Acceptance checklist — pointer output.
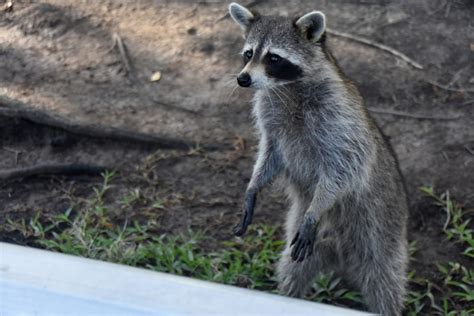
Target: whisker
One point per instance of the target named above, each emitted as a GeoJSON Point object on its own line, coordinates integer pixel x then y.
{"type": "Point", "coordinates": [284, 104]}
{"type": "Point", "coordinates": [269, 97]}
{"type": "Point", "coordinates": [283, 93]}
{"type": "Point", "coordinates": [229, 82]}
{"type": "Point", "coordinates": [230, 75]}
{"type": "Point", "coordinates": [232, 92]}
{"type": "Point", "coordinates": [289, 98]}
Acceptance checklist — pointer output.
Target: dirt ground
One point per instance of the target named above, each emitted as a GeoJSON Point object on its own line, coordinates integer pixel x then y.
{"type": "Point", "coordinates": [59, 56]}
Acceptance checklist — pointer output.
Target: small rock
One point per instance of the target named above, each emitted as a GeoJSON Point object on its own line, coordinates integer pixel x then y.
{"type": "Point", "coordinates": [192, 31]}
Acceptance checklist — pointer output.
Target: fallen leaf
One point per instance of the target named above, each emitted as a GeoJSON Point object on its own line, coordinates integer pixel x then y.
{"type": "Point", "coordinates": [156, 76]}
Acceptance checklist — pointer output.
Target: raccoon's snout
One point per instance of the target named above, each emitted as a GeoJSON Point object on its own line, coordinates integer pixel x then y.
{"type": "Point", "coordinates": [244, 80]}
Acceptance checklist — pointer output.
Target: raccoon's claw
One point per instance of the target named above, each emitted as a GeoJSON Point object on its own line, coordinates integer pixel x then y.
{"type": "Point", "coordinates": [303, 241]}
{"type": "Point", "coordinates": [241, 227]}
{"type": "Point", "coordinates": [246, 219]}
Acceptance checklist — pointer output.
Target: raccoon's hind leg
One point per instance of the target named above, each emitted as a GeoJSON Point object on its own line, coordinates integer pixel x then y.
{"type": "Point", "coordinates": [379, 272]}
{"type": "Point", "coordinates": [383, 288]}
{"type": "Point", "coordinates": [295, 278]}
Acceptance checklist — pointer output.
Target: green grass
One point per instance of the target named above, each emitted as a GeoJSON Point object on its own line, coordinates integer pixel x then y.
{"type": "Point", "coordinates": [93, 228]}
{"type": "Point", "coordinates": [457, 222]}
{"type": "Point", "coordinates": [454, 294]}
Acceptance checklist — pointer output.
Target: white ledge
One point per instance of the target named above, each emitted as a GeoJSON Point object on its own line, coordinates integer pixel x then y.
{"type": "Point", "coordinates": [39, 282]}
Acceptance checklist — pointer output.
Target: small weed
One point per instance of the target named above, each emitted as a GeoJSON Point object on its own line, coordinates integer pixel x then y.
{"type": "Point", "coordinates": [328, 289]}
{"type": "Point", "coordinates": [459, 280]}
{"type": "Point", "coordinates": [456, 289]}
{"type": "Point", "coordinates": [456, 226]}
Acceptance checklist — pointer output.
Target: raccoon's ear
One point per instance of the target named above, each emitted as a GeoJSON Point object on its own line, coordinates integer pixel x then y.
{"type": "Point", "coordinates": [312, 25]}
{"type": "Point", "coordinates": [241, 15]}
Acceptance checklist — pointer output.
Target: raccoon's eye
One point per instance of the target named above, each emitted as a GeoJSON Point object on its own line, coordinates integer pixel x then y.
{"type": "Point", "coordinates": [274, 59]}
{"type": "Point", "coordinates": [248, 55]}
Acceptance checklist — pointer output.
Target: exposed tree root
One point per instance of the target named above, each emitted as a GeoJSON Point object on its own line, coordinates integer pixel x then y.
{"type": "Point", "coordinates": [385, 48]}
{"type": "Point", "coordinates": [449, 88]}
{"type": "Point", "coordinates": [48, 170]}
{"type": "Point", "coordinates": [16, 109]}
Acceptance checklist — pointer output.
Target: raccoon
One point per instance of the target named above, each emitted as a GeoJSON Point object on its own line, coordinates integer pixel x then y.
{"type": "Point", "coordinates": [349, 208]}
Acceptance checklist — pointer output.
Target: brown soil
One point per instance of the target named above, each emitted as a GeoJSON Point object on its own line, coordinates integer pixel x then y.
{"type": "Point", "coordinates": [58, 56]}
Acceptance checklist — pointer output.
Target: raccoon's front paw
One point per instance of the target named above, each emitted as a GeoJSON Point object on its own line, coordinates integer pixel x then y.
{"type": "Point", "coordinates": [246, 219]}
{"type": "Point", "coordinates": [303, 242]}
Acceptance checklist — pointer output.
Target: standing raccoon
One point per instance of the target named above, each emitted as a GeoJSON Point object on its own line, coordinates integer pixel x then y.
{"type": "Point", "coordinates": [348, 204]}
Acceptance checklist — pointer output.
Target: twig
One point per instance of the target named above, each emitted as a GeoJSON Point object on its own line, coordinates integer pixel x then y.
{"type": "Point", "coordinates": [248, 5]}
{"type": "Point", "coordinates": [16, 109]}
{"type": "Point", "coordinates": [60, 169]}
{"type": "Point", "coordinates": [15, 152]}
{"type": "Point", "coordinates": [385, 48]}
{"type": "Point", "coordinates": [414, 116]}
{"type": "Point", "coordinates": [210, 2]}
{"type": "Point", "coordinates": [469, 150]}
{"type": "Point", "coordinates": [456, 76]}
{"type": "Point", "coordinates": [124, 56]}
{"type": "Point", "coordinates": [445, 156]}
{"type": "Point", "coordinates": [448, 88]}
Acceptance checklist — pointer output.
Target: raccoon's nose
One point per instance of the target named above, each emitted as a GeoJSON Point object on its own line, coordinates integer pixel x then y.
{"type": "Point", "coordinates": [244, 80]}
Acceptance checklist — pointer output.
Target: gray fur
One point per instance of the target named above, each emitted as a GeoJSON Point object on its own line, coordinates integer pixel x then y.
{"type": "Point", "coordinates": [312, 25]}
{"type": "Point", "coordinates": [316, 134]}
{"type": "Point", "coordinates": [241, 15]}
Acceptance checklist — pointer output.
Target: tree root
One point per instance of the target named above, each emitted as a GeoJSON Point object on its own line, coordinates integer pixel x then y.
{"type": "Point", "coordinates": [383, 47]}
{"type": "Point", "coordinates": [19, 110]}
{"type": "Point", "coordinates": [43, 170]}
